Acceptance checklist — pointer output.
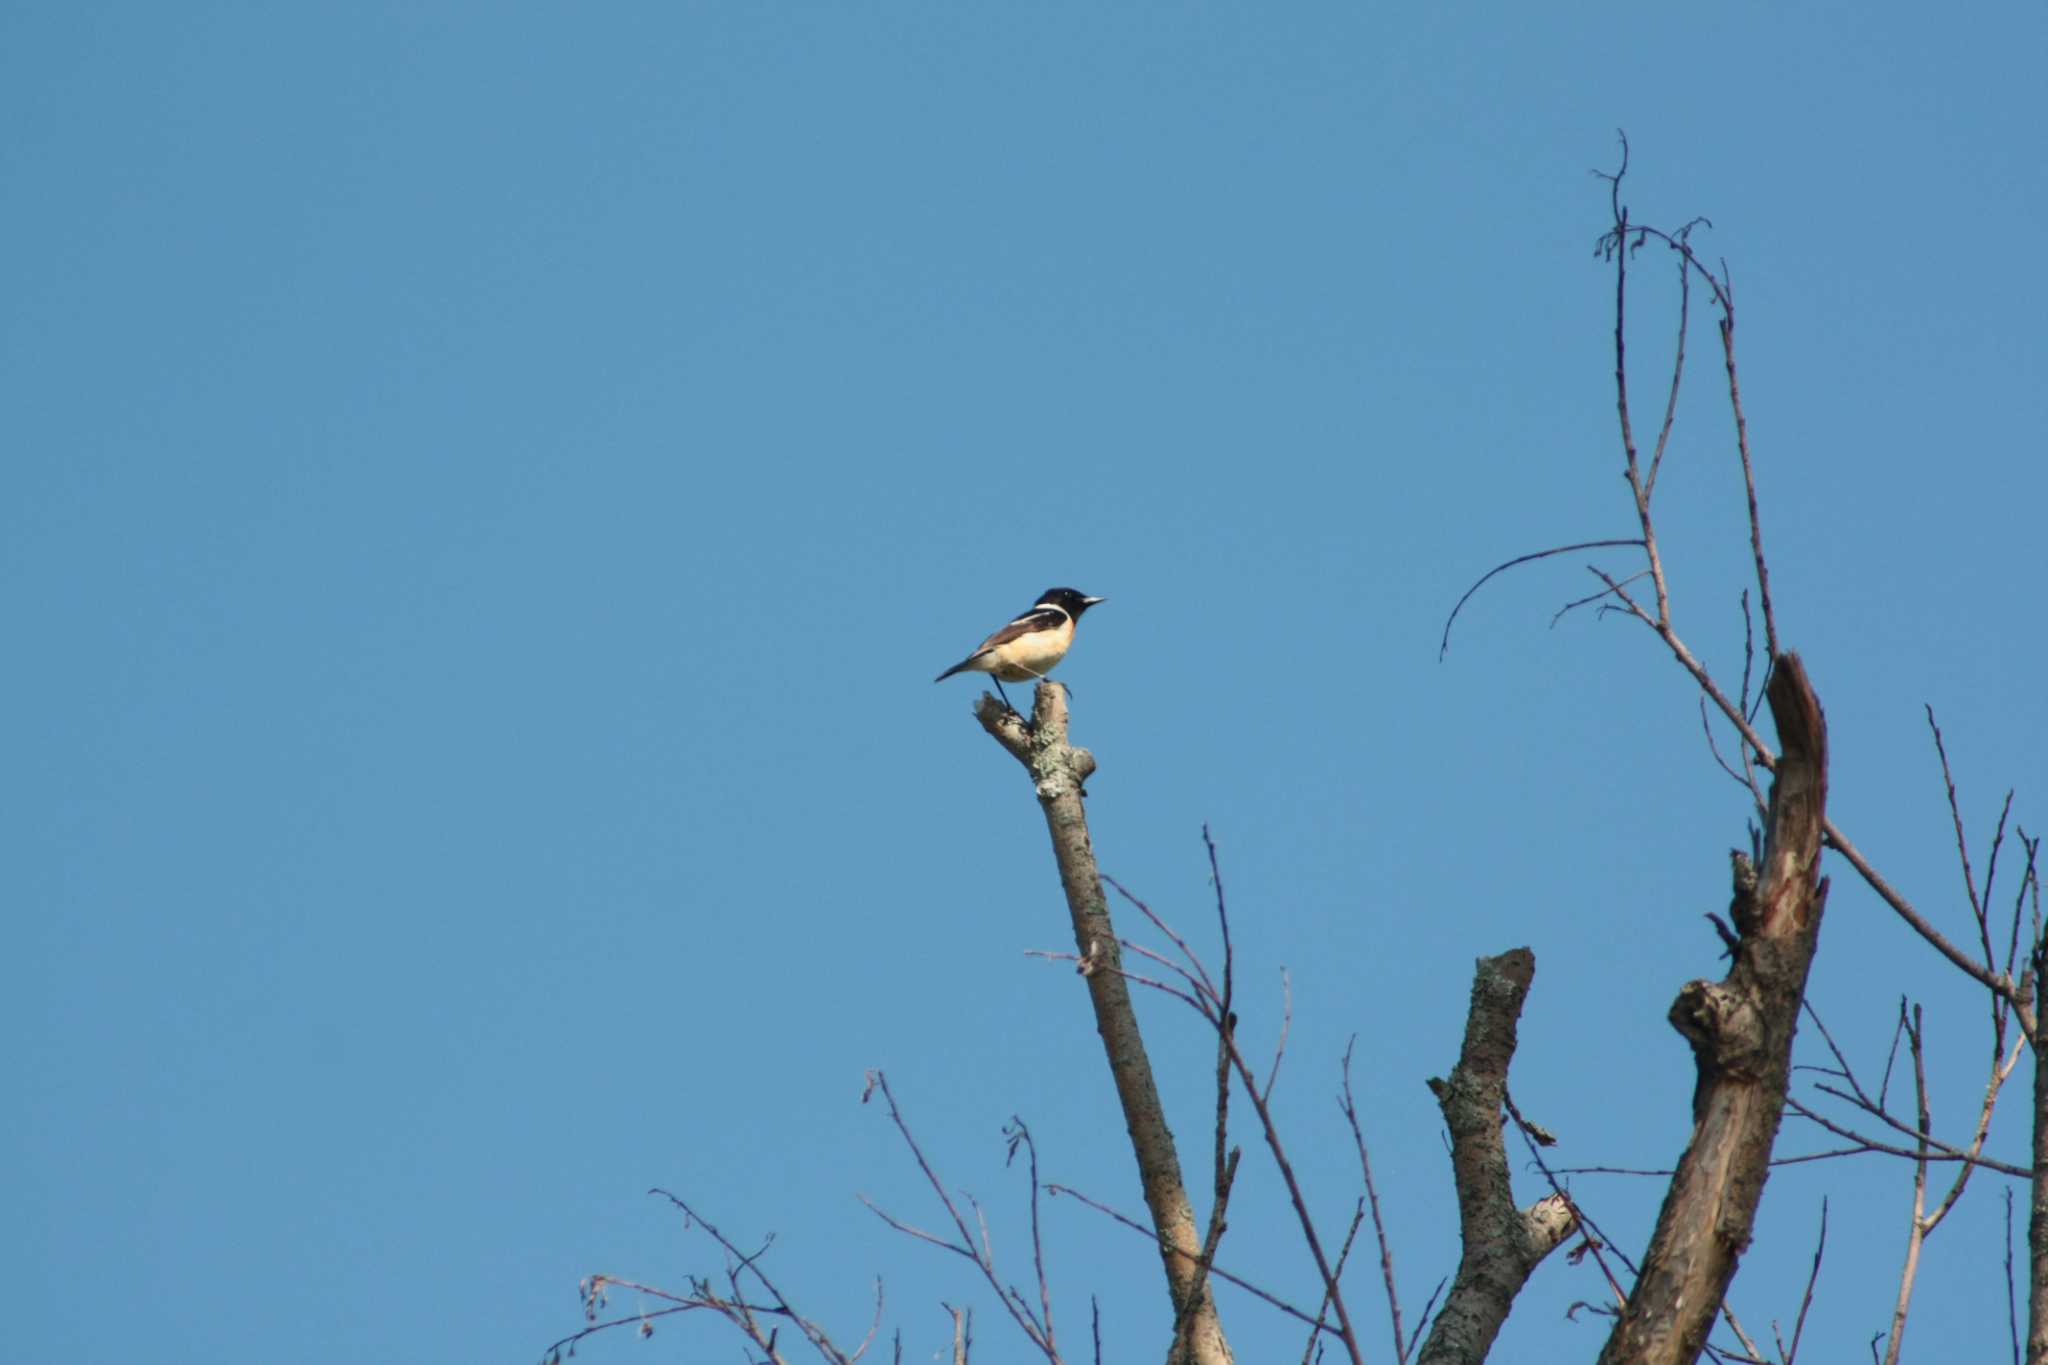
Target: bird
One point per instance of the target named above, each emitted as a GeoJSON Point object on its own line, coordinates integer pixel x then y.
{"type": "Point", "coordinates": [1030, 645]}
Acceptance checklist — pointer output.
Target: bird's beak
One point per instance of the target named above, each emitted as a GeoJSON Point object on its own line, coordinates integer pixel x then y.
{"type": "Point", "coordinates": [1091, 601]}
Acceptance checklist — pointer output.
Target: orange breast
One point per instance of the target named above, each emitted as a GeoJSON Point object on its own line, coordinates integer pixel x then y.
{"type": "Point", "coordinates": [1033, 655]}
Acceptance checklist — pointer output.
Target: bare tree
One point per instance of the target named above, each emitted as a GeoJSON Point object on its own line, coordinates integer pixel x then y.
{"type": "Point", "coordinates": [1742, 1028]}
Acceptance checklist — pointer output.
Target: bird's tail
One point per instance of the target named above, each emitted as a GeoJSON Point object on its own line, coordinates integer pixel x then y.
{"type": "Point", "coordinates": [960, 667]}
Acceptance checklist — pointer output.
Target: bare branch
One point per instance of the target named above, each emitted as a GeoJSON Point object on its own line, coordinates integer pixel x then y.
{"type": "Point", "coordinates": [1502, 1244]}
{"type": "Point", "coordinates": [1308, 1350]}
{"type": "Point", "coordinates": [1226, 1156]}
{"type": "Point", "coordinates": [1747, 777]}
{"type": "Point", "coordinates": [1820, 1246]}
{"type": "Point", "coordinates": [1228, 1277]}
{"type": "Point", "coordinates": [1677, 374]}
{"type": "Point", "coordinates": [963, 1332]}
{"type": "Point", "coordinates": [1903, 908]}
{"type": "Point", "coordinates": [1195, 973]}
{"type": "Point", "coordinates": [2012, 1314]}
{"type": "Point", "coordinates": [1595, 1240]}
{"type": "Point", "coordinates": [1017, 1134]}
{"type": "Point", "coordinates": [1750, 1350]}
{"type": "Point", "coordinates": [1591, 598]}
{"type": "Point", "coordinates": [1445, 646]}
{"type": "Point", "coordinates": [1038, 1330]}
{"type": "Point", "coordinates": [1948, 782]}
{"type": "Point", "coordinates": [1936, 1149]}
{"type": "Point", "coordinates": [1916, 1231]}
{"type": "Point", "coordinates": [1637, 483]}
{"type": "Point", "coordinates": [1372, 1195]}
{"type": "Point", "coordinates": [1209, 1005]}
{"type": "Point", "coordinates": [1749, 709]}
{"type": "Point", "coordinates": [1286, 1027]}
{"type": "Point", "coordinates": [1756, 532]}
{"type": "Point", "coordinates": [1058, 771]}
{"type": "Point", "coordinates": [2029, 877]}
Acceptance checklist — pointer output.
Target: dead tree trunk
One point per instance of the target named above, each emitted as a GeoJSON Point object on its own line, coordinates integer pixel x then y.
{"type": "Point", "coordinates": [1502, 1243]}
{"type": "Point", "coordinates": [1741, 1031]}
{"type": "Point", "coordinates": [1058, 771]}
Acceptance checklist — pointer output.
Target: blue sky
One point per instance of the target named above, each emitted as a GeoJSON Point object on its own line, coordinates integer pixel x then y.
{"type": "Point", "coordinates": [488, 488]}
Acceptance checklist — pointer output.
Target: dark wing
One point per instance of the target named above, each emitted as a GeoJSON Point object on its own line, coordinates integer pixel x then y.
{"type": "Point", "coordinates": [1038, 618]}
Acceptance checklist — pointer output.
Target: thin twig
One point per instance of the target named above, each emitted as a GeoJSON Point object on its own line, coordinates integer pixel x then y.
{"type": "Point", "coordinates": [750, 1263]}
{"type": "Point", "coordinates": [1747, 777]}
{"type": "Point", "coordinates": [1226, 1157]}
{"type": "Point", "coordinates": [1444, 647]}
{"type": "Point", "coordinates": [979, 1251]}
{"type": "Point", "coordinates": [1820, 1247]}
{"type": "Point", "coordinates": [1163, 927]}
{"type": "Point", "coordinates": [1596, 1240]}
{"type": "Point", "coordinates": [1677, 373]}
{"type": "Point", "coordinates": [1916, 1232]}
{"type": "Point", "coordinates": [1428, 1305]}
{"type": "Point", "coordinates": [1749, 1347]}
{"type": "Point", "coordinates": [1207, 1002]}
{"type": "Point", "coordinates": [1286, 1027]}
{"type": "Point", "coordinates": [1210, 1239]}
{"type": "Point", "coordinates": [1846, 1072]}
{"type": "Point", "coordinates": [1343, 1257]}
{"type": "Point", "coordinates": [2028, 875]}
{"type": "Point", "coordinates": [1962, 843]}
{"type": "Point", "coordinates": [1218, 1271]}
{"type": "Point", "coordinates": [1756, 531]}
{"type": "Point", "coordinates": [2001, 1071]}
{"type": "Point", "coordinates": [1903, 908]}
{"type": "Point", "coordinates": [2012, 1307]}
{"type": "Point", "coordinates": [1937, 1150]}
{"type": "Point", "coordinates": [1092, 964]}
{"type": "Point", "coordinates": [1372, 1196]}
{"type": "Point", "coordinates": [1638, 486]}
{"type": "Point", "coordinates": [1591, 598]}
{"type": "Point", "coordinates": [1019, 1133]}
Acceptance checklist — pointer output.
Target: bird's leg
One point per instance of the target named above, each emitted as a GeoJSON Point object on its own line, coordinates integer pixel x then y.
{"type": "Point", "coordinates": [1005, 696]}
{"type": "Point", "coordinates": [1043, 678]}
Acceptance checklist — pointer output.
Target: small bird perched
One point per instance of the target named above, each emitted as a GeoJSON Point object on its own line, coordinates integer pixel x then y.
{"type": "Point", "coordinates": [1029, 646]}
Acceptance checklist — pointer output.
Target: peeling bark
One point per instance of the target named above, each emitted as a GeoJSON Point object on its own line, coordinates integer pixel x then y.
{"type": "Point", "coordinates": [1741, 1030]}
